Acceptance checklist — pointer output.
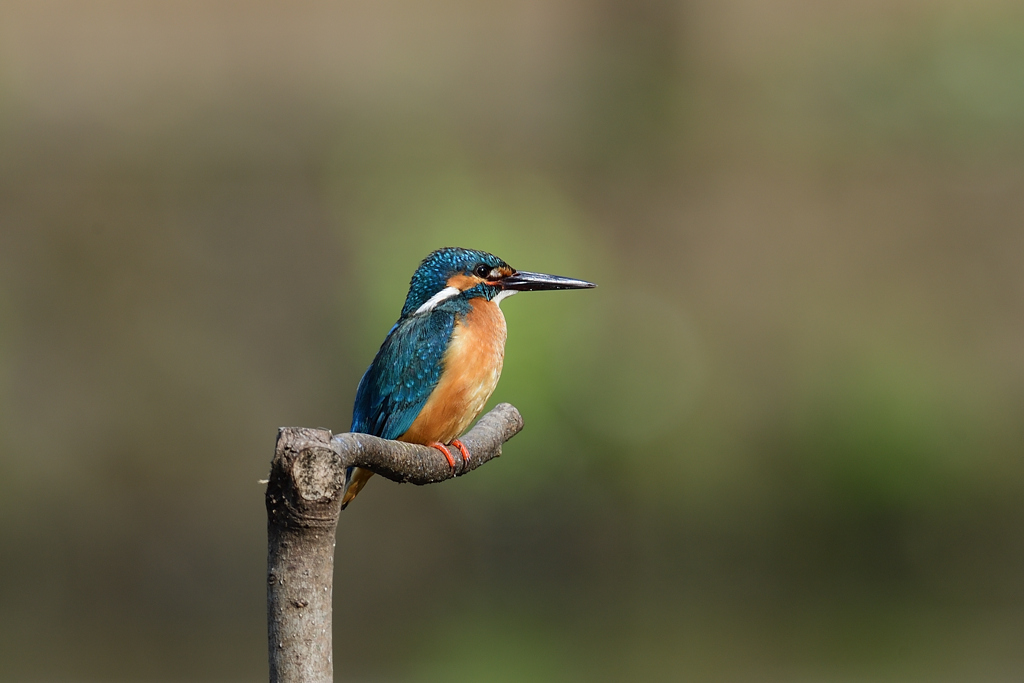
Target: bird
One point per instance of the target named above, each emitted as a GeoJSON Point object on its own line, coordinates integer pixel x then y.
{"type": "Point", "coordinates": [441, 361]}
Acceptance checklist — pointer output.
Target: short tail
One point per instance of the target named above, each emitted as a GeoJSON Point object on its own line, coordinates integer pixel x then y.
{"type": "Point", "coordinates": [355, 480]}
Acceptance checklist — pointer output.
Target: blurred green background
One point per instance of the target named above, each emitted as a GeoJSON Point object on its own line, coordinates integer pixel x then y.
{"type": "Point", "coordinates": [782, 441]}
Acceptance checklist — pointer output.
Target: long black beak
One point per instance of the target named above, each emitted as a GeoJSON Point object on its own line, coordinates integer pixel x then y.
{"type": "Point", "coordinates": [523, 281]}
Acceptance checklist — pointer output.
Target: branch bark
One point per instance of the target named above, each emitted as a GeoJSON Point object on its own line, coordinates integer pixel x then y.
{"type": "Point", "coordinates": [303, 505]}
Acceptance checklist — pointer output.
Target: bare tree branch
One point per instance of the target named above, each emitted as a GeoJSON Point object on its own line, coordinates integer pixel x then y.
{"type": "Point", "coordinates": [303, 505]}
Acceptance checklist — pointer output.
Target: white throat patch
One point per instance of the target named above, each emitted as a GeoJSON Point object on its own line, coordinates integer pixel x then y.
{"type": "Point", "coordinates": [432, 302]}
{"type": "Point", "coordinates": [503, 294]}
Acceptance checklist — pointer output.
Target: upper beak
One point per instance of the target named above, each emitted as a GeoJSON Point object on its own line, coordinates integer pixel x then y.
{"type": "Point", "coordinates": [523, 281]}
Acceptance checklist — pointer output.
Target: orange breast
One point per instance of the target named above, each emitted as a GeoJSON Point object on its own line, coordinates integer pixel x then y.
{"type": "Point", "coordinates": [472, 365]}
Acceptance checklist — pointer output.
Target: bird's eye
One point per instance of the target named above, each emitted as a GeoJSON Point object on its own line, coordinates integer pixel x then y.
{"type": "Point", "coordinates": [482, 270]}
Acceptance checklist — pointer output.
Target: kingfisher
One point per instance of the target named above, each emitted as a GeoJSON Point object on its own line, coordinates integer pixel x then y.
{"type": "Point", "coordinates": [441, 361]}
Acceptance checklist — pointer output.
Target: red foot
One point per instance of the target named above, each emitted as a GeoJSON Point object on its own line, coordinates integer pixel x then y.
{"type": "Point", "coordinates": [444, 449]}
{"type": "Point", "coordinates": [462, 449]}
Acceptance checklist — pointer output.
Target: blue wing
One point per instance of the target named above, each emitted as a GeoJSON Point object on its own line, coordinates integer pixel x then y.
{"type": "Point", "coordinates": [403, 375]}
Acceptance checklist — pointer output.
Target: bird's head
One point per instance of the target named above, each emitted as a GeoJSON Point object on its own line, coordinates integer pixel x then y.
{"type": "Point", "coordinates": [454, 273]}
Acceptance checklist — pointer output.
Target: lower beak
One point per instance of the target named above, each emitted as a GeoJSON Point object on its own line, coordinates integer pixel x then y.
{"type": "Point", "coordinates": [523, 281]}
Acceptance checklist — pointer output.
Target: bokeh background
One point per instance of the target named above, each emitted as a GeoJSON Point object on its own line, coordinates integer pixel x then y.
{"type": "Point", "coordinates": [782, 441]}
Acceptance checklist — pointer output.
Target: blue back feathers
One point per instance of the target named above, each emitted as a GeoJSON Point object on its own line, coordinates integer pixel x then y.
{"type": "Point", "coordinates": [402, 376]}
{"type": "Point", "coordinates": [409, 363]}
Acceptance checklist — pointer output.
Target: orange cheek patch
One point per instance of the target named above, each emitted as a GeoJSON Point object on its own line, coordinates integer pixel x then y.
{"type": "Point", "coordinates": [502, 272]}
{"type": "Point", "coordinates": [463, 282]}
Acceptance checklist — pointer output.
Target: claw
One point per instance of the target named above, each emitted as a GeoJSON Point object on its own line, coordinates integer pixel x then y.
{"type": "Point", "coordinates": [462, 449]}
{"type": "Point", "coordinates": [448, 454]}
